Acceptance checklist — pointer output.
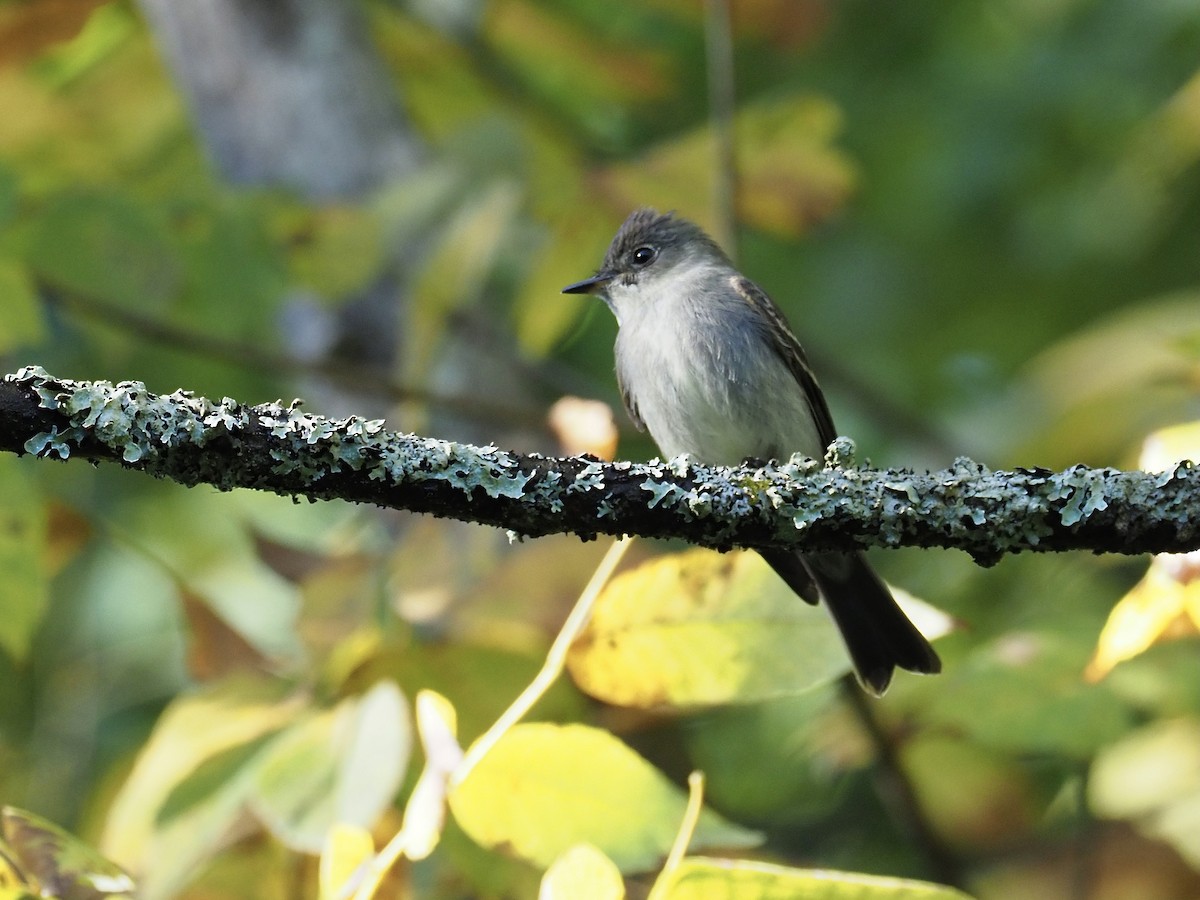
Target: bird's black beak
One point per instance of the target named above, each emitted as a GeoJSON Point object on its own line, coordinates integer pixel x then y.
{"type": "Point", "coordinates": [590, 285]}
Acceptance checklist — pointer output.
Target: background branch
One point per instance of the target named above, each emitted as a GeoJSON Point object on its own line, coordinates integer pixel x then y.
{"type": "Point", "coordinates": [799, 503]}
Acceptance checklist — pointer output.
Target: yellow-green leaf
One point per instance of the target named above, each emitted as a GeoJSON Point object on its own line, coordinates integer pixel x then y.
{"type": "Point", "coordinates": [343, 765]}
{"type": "Point", "coordinates": [546, 788]}
{"type": "Point", "coordinates": [700, 628]}
{"type": "Point", "coordinates": [191, 779]}
{"type": "Point", "coordinates": [698, 878]}
{"type": "Point", "coordinates": [582, 873]}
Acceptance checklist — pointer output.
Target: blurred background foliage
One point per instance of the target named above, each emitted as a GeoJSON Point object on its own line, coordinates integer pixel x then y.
{"type": "Point", "coordinates": [981, 217]}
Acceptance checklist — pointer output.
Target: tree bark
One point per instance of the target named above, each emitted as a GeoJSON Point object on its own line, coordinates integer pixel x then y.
{"type": "Point", "coordinates": [799, 503]}
{"type": "Point", "coordinates": [287, 92]}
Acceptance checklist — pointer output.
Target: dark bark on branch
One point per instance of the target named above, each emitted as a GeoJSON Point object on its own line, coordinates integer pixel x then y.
{"type": "Point", "coordinates": [799, 503]}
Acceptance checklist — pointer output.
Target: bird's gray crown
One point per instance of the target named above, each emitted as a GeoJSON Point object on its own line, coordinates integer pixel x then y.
{"type": "Point", "coordinates": [664, 232]}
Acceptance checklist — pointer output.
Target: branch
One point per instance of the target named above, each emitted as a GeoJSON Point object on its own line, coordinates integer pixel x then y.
{"type": "Point", "coordinates": [799, 503]}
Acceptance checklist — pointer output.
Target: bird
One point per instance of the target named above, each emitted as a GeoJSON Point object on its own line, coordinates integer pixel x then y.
{"type": "Point", "coordinates": [708, 365]}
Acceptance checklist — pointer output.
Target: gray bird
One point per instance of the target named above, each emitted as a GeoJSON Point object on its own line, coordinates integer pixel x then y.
{"type": "Point", "coordinates": [706, 362]}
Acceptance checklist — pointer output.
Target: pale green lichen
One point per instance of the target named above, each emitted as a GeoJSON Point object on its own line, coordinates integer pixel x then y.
{"type": "Point", "coordinates": [987, 513]}
{"type": "Point", "coordinates": [1083, 489]}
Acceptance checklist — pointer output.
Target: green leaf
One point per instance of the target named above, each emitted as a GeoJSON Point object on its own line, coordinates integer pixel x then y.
{"type": "Point", "coordinates": [216, 557]}
{"type": "Point", "coordinates": [22, 314]}
{"type": "Point", "coordinates": [701, 628]}
{"type": "Point", "coordinates": [338, 251]}
{"type": "Point", "coordinates": [342, 766]}
{"type": "Point", "coordinates": [62, 865]}
{"type": "Point", "coordinates": [191, 779]}
{"type": "Point", "coordinates": [108, 247]}
{"type": "Point", "coordinates": [1035, 699]}
{"type": "Point", "coordinates": [703, 879]}
{"type": "Point", "coordinates": [543, 314]}
{"type": "Point", "coordinates": [788, 763]}
{"type": "Point", "coordinates": [458, 267]}
{"type": "Point", "coordinates": [545, 788]}
{"type": "Point", "coordinates": [23, 588]}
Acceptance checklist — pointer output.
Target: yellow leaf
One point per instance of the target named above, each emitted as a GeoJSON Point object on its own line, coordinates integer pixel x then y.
{"type": "Point", "coordinates": [347, 849]}
{"type": "Point", "coordinates": [1168, 446]}
{"type": "Point", "coordinates": [700, 879]}
{"type": "Point", "coordinates": [543, 789]}
{"type": "Point", "coordinates": [701, 628]}
{"type": "Point", "coordinates": [1142, 617]}
{"type": "Point", "coordinates": [191, 778]}
{"type": "Point", "coordinates": [1171, 587]}
{"type": "Point", "coordinates": [582, 873]}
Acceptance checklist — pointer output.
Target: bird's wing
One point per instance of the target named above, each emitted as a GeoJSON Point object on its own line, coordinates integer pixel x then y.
{"type": "Point", "coordinates": [792, 354]}
{"type": "Point", "coordinates": [630, 403]}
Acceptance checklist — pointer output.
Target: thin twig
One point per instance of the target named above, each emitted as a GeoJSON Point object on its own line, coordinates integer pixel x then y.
{"type": "Point", "coordinates": [556, 660]}
{"type": "Point", "coordinates": [722, 106]}
{"type": "Point", "coordinates": [256, 358]}
{"type": "Point", "coordinates": [900, 796]}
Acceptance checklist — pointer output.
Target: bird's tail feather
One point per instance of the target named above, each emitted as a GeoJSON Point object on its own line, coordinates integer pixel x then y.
{"type": "Point", "coordinates": [877, 633]}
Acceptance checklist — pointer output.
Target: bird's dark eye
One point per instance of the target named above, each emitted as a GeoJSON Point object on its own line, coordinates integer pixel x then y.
{"type": "Point", "coordinates": [643, 256]}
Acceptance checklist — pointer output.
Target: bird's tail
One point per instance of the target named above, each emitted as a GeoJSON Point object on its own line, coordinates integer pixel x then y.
{"type": "Point", "coordinates": [877, 633]}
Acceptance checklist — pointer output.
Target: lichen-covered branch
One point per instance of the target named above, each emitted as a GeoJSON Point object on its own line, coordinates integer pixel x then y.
{"type": "Point", "coordinates": [800, 502]}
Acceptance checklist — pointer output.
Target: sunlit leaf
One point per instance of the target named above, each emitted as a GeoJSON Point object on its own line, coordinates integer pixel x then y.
{"type": "Point", "coordinates": [24, 591]}
{"type": "Point", "coordinates": [702, 878]}
{"type": "Point", "coordinates": [700, 628]}
{"type": "Point", "coordinates": [1159, 606]}
{"type": "Point", "coordinates": [425, 814]}
{"type": "Point", "coordinates": [344, 765]}
{"type": "Point", "coordinates": [1170, 590]}
{"type": "Point", "coordinates": [1153, 778]}
{"type": "Point", "coordinates": [545, 788]}
{"type": "Point", "coordinates": [191, 779]}
{"type": "Point", "coordinates": [348, 848]}
{"type": "Point", "coordinates": [582, 873]}
{"type": "Point", "coordinates": [61, 864]}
